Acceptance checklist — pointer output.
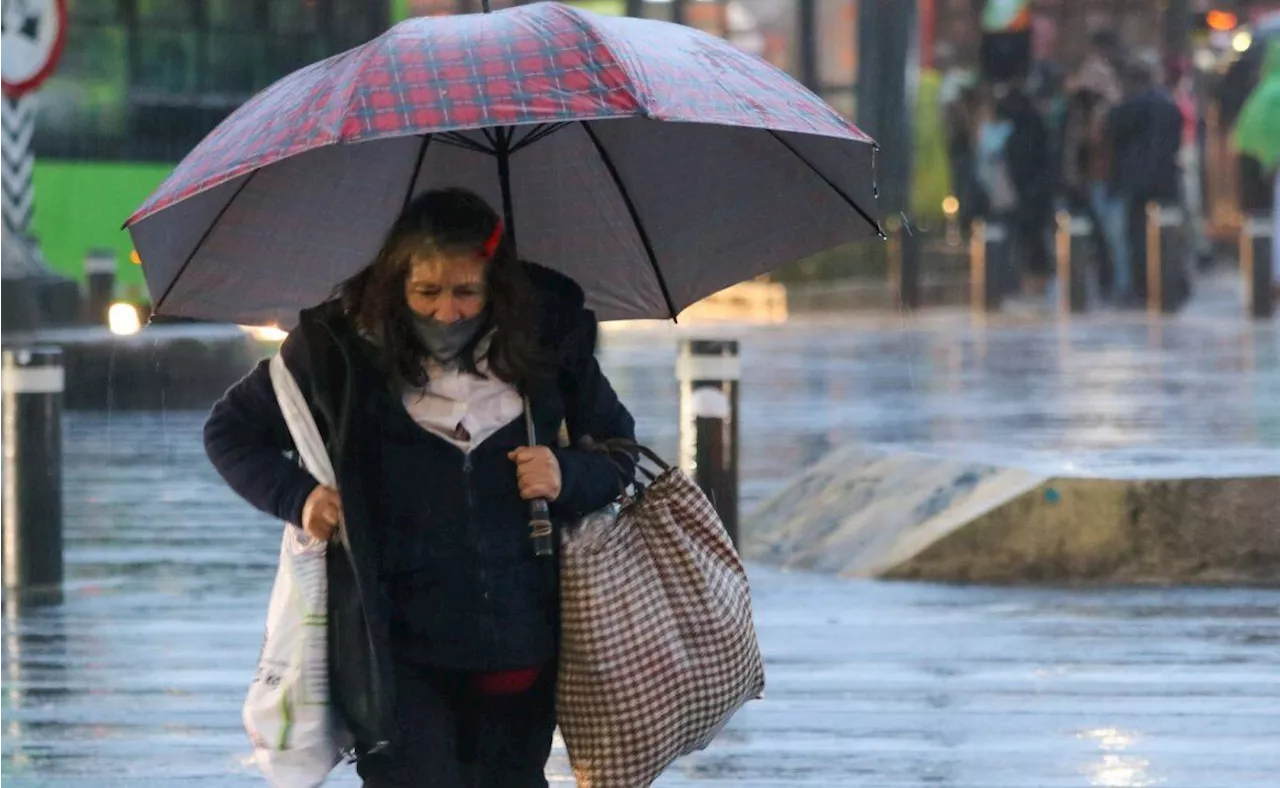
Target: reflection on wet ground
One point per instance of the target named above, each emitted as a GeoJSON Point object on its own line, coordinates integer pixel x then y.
{"type": "Point", "coordinates": [138, 676]}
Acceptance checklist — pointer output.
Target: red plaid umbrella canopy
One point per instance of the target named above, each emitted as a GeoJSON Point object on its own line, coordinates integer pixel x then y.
{"type": "Point", "coordinates": [651, 162]}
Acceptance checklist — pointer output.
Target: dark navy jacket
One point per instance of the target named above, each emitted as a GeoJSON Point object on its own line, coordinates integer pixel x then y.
{"type": "Point", "coordinates": [440, 570]}
{"type": "Point", "coordinates": [1146, 135]}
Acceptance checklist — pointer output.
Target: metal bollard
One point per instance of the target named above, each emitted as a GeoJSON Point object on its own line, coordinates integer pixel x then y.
{"type": "Point", "coordinates": [708, 372]}
{"type": "Point", "coordinates": [988, 253]}
{"type": "Point", "coordinates": [1164, 245]}
{"type": "Point", "coordinates": [100, 279]}
{"type": "Point", "coordinates": [1072, 241]}
{"type": "Point", "coordinates": [33, 382]}
{"type": "Point", "coordinates": [904, 264]}
{"type": "Point", "coordinates": [20, 304]}
{"type": "Point", "coordinates": [1255, 265]}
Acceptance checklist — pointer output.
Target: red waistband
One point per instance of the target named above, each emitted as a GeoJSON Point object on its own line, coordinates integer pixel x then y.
{"type": "Point", "coordinates": [506, 682]}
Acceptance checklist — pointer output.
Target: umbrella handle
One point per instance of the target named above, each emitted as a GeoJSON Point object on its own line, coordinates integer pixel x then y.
{"type": "Point", "coordinates": [540, 528]}
{"type": "Point", "coordinates": [539, 510]}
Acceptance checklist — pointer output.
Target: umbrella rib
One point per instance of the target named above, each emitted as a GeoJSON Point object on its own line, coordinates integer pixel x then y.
{"type": "Point", "coordinates": [844, 196]}
{"type": "Point", "coordinates": [458, 141]}
{"type": "Point", "coordinates": [538, 134]}
{"type": "Point", "coordinates": [528, 135]}
{"type": "Point", "coordinates": [204, 237]}
{"type": "Point", "coordinates": [417, 168]}
{"type": "Point", "coordinates": [635, 216]}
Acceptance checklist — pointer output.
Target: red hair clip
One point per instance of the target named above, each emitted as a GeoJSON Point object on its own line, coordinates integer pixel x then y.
{"type": "Point", "coordinates": [491, 245]}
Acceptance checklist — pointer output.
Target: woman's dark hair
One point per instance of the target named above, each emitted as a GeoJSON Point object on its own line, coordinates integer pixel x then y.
{"type": "Point", "coordinates": [1105, 41]}
{"type": "Point", "coordinates": [448, 221]}
{"type": "Point", "coordinates": [1138, 76]}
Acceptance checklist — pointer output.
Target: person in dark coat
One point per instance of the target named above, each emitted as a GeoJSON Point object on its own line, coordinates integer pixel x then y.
{"type": "Point", "coordinates": [1029, 159]}
{"type": "Point", "coordinates": [1094, 90]}
{"type": "Point", "coordinates": [1146, 135]}
{"type": "Point", "coordinates": [443, 624]}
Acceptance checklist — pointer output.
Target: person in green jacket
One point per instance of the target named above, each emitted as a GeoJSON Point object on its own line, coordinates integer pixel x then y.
{"type": "Point", "coordinates": [1257, 133]}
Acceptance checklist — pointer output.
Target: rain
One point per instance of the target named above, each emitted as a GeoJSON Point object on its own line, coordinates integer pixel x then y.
{"type": "Point", "coordinates": [961, 313]}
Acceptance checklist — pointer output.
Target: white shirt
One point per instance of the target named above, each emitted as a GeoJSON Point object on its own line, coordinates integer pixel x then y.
{"type": "Point", "coordinates": [453, 398]}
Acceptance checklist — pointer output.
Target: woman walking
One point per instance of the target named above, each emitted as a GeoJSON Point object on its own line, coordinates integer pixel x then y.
{"type": "Point", "coordinates": [443, 623]}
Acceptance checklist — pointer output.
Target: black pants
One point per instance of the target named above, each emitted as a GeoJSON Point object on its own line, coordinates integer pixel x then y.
{"type": "Point", "coordinates": [1136, 227]}
{"type": "Point", "coordinates": [451, 736]}
{"type": "Point", "coordinates": [1079, 204]}
{"type": "Point", "coordinates": [1031, 224]}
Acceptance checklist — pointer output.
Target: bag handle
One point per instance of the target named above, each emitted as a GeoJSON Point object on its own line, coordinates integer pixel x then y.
{"type": "Point", "coordinates": [629, 446]}
{"type": "Point", "coordinates": [303, 430]}
{"type": "Point", "coordinates": [607, 449]}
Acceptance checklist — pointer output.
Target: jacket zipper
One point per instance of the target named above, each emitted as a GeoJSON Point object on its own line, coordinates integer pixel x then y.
{"type": "Point", "coordinates": [477, 542]}
{"type": "Point", "coordinates": [472, 528]}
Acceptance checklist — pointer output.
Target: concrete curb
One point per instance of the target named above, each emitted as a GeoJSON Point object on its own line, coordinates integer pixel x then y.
{"type": "Point", "coordinates": [868, 513]}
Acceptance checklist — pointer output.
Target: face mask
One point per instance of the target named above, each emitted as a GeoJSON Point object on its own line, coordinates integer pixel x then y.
{"type": "Point", "coordinates": [446, 341]}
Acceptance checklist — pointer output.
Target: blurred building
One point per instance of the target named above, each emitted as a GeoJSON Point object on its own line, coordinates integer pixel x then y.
{"type": "Point", "coordinates": [145, 80]}
{"type": "Point", "coordinates": [142, 81]}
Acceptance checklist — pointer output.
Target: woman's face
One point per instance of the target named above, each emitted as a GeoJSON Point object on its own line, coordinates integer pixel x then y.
{"type": "Point", "coordinates": [446, 287]}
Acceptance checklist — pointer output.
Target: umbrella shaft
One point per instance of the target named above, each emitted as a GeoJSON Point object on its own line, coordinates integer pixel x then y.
{"type": "Point", "coordinates": [503, 149]}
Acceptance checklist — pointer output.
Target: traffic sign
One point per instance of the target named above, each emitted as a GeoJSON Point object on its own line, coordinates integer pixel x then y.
{"type": "Point", "coordinates": [33, 34]}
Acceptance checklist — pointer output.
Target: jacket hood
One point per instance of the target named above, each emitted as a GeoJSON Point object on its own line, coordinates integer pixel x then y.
{"type": "Point", "coordinates": [552, 285]}
{"type": "Point", "coordinates": [566, 326]}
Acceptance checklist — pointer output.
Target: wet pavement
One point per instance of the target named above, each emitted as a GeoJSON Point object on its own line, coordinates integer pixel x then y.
{"type": "Point", "coordinates": [1114, 395]}
{"type": "Point", "coordinates": [137, 678]}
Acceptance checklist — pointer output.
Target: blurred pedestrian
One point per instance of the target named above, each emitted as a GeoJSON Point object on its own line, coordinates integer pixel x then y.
{"type": "Point", "coordinates": [1257, 134]}
{"type": "Point", "coordinates": [1146, 135]}
{"type": "Point", "coordinates": [957, 99]}
{"type": "Point", "coordinates": [1094, 90]}
{"type": "Point", "coordinates": [1181, 87]}
{"type": "Point", "coordinates": [1233, 90]}
{"type": "Point", "coordinates": [418, 372]}
{"type": "Point", "coordinates": [1028, 157]}
{"type": "Point", "coordinates": [997, 196]}
{"type": "Point", "coordinates": [1047, 88]}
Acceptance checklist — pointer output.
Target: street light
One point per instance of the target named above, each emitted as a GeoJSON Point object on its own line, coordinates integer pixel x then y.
{"type": "Point", "coordinates": [123, 320]}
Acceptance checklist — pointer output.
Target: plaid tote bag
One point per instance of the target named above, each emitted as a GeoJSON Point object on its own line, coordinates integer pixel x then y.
{"type": "Point", "coordinates": [658, 649]}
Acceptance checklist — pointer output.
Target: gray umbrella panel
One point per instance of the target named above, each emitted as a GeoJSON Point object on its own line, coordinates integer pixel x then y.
{"type": "Point", "coordinates": [627, 207]}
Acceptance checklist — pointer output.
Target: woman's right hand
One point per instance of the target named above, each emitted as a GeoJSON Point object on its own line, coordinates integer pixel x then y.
{"type": "Point", "coordinates": [322, 513]}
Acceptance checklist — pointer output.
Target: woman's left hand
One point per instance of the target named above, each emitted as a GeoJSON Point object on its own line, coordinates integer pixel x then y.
{"type": "Point", "coordinates": [538, 472]}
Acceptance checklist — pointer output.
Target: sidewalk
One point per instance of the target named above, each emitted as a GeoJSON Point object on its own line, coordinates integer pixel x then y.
{"type": "Point", "coordinates": [138, 681]}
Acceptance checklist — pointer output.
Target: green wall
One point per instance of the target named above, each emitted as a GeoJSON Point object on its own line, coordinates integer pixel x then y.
{"type": "Point", "coordinates": [80, 205]}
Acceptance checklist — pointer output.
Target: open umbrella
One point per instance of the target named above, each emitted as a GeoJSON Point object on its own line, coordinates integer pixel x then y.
{"type": "Point", "coordinates": [651, 162]}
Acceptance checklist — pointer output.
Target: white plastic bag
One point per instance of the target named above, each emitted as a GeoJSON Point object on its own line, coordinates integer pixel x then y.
{"type": "Point", "coordinates": [296, 739]}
